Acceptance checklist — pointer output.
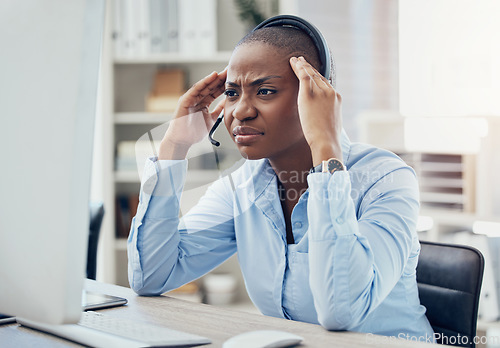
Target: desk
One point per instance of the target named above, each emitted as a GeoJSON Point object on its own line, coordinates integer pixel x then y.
{"type": "Point", "coordinates": [218, 324]}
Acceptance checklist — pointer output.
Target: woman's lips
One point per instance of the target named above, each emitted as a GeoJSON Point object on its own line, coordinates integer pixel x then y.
{"type": "Point", "coordinates": [246, 135]}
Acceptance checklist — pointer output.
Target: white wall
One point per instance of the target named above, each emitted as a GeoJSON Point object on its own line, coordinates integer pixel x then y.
{"type": "Point", "coordinates": [363, 35]}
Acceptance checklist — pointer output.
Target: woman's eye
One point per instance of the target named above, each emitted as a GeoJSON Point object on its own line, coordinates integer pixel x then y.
{"type": "Point", "coordinates": [230, 93]}
{"type": "Point", "coordinates": [266, 91]}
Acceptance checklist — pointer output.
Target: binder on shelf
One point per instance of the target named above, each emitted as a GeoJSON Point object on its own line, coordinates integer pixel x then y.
{"type": "Point", "coordinates": [117, 31]}
{"type": "Point", "coordinates": [131, 28]}
{"type": "Point", "coordinates": [142, 29]}
{"type": "Point", "coordinates": [163, 24]}
{"type": "Point", "coordinates": [187, 27]}
{"type": "Point", "coordinates": [197, 27]}
{"type": "Point", "coordinates": [128, 27]}
{"type": "Point", "coordinates": [171, 26]}
{"type": "Point", "coordinates": [206, 26]}
{"type": "Point", "coordinates": [155, 26]}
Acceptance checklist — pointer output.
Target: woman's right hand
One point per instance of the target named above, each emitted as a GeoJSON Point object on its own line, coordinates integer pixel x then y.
{"type": "Point", "coordinates": [192, 117]}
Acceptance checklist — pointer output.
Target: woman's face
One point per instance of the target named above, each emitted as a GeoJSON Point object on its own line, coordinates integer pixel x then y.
{"type": "Point", "coordinates": [261, 111]}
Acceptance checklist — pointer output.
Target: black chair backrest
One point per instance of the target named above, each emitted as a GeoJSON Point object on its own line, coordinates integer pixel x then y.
{"type": "Point", "coordinates": [96, 216]}
{"type": "Point", "coordinates": [449, 281]}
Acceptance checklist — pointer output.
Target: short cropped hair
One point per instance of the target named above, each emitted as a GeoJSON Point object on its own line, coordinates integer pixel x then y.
{"type": "Point", "coordinates": [291, 41]}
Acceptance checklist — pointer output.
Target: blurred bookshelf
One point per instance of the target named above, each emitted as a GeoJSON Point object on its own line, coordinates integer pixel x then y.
{"type": "Point", "coordinates": [134, 64]}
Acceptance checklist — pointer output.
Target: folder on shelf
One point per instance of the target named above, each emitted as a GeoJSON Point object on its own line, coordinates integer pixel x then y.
{"type": "Point", "coordinates": [128, 20]}
{"type": "Point", "coordinates": [206, 38]}
{"type": "Point", "coordinates": [197, 27]}
{"type": "Point", "coordinates": [164, 26]}
{"type": "Point", "coordinates": [171, 26]}
{"type": "Point", "coordinates": [142, 28]}
{"type": "Point", "coordinates": [117, 31]}
{"type": "Point", "coordinates": [155, 20]}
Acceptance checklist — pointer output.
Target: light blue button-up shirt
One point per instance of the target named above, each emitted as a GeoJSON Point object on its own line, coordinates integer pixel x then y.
{"type": "Point", "coordinates": [353, 264]}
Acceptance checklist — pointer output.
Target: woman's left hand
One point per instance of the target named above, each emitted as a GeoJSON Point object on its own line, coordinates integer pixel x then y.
{"type": "Point", "coordinates": [320, 111]}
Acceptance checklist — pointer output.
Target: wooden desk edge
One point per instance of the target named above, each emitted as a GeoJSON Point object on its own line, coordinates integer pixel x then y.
{"type": "Point", "coordinates": [217, 324]}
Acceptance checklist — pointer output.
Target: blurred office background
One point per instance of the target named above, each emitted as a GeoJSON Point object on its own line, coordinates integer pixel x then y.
{"type": "Point", "coordinates": [420, 78]}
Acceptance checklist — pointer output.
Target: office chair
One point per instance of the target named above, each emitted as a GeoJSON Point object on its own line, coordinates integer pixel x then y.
{"type": "Point", "coordinates": [449, 281]}
{"type": "Point", "coordinates": [96, 216]}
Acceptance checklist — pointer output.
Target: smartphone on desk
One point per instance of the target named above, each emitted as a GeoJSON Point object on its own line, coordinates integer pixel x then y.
{"type": "Point", "coordinates": [6, 319]}
{"type": "Point", "coordinates": [90, 301]}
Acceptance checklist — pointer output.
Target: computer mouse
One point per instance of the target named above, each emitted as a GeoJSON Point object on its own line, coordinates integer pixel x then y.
{"type": "Point", "coordinates": [263, 339]}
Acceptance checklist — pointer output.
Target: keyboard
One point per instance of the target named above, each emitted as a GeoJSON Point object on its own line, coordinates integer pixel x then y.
{"type": "Point", "coordinates": [101, 330]}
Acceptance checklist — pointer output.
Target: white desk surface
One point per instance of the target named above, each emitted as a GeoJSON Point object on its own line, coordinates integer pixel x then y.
{"type": "Point", "coordinates": [217, 324]}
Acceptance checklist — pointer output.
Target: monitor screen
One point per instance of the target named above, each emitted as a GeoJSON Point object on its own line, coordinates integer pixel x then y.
{"type": "Point", "coordinates": [49, 70]}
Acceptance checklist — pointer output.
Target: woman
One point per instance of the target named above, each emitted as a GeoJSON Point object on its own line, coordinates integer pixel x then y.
{"type": "Point", "coordinates": [324, 228]}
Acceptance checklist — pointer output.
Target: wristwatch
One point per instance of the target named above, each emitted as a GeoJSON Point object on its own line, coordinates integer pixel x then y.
{"type": "Point", "coordinates": [329, 166]}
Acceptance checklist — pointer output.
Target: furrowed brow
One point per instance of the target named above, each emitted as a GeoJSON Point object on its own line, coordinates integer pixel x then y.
{"type": "Point", "coordinates": [255, 82]}
{"type": "Point", "coordinates": [264, 79]}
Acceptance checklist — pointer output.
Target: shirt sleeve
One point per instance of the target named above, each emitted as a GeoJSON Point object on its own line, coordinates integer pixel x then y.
{"type": "Point", "coordinates": [164, 251]}
{"type": "Point", "coordinates": [357, 257]}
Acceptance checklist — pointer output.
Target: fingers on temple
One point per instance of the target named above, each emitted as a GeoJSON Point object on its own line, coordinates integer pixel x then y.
{"type": "Point", "coordinates": [309, 76]}
{"type": "Point", "coordinates": [205, 100]}
{"type": "Point", "coordinates": [207, 89]}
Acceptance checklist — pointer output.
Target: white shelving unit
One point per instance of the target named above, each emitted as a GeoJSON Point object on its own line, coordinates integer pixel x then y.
{"type": "Point", "coordinates": [457, 185]}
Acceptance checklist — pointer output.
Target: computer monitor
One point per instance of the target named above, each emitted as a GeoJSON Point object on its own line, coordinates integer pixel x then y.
{"type": "Point", "coordinates": [49, 69]}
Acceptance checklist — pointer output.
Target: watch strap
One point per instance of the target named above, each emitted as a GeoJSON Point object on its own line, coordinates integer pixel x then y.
{"type": "Point", "coordinates": [329, 166]}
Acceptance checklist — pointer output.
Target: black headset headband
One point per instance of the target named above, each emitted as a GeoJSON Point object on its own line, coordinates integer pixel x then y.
{"type": "Point", "coordinates": [310, 30]}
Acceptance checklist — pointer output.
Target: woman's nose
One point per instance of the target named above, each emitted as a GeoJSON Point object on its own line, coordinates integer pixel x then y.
{"type": "Point", "coordinates": [244, 110]}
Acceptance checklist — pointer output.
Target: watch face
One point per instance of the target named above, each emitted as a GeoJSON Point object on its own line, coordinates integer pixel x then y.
{"type": "Point", "coordinates": [334, 165]}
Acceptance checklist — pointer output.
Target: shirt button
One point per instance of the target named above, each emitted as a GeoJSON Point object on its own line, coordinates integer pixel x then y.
{"type": "Point", "coordinates": [297, 224]}
{"type": "Point", "coordinates": [340, 220]}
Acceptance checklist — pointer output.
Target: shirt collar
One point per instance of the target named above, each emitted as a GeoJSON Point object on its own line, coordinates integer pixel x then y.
{"type": "Point", "coordinates": [263, 174]}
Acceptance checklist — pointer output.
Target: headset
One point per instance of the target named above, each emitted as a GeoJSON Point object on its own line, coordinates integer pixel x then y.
{"type": "Point", "coordinates": [308, 28]}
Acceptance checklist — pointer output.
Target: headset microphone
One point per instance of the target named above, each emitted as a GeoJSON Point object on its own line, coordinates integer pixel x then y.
{"type": "Point", "coordinates": [214, 127]}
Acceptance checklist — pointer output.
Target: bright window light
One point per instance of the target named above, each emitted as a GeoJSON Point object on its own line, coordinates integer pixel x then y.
{"type": "Point", "coordinates": [488, 228]}
{"type": "Point", "coordinates": [425, 223]}
{"type": "Point", "coordinates": [460, 135]}
{"type": "Point", "coordinates": [449, 57]}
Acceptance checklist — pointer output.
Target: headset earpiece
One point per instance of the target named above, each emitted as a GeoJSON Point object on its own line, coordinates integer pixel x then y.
{"type": "Point", "coordinates": [308, 28]}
